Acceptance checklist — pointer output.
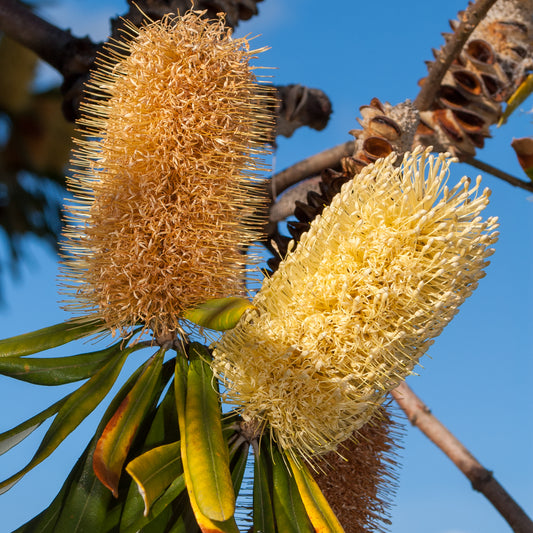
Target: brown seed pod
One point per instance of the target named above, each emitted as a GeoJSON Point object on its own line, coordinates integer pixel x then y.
{"type": "Point", "coordinates": [491, 66]}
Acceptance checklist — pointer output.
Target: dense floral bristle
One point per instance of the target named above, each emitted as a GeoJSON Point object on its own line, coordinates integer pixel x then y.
{"type": "Point", "coordinates": [360, 480]}
{"type": "Point", "coordinates": [348, 314]}
{"type": "Point", "coordinates": [166, 178]}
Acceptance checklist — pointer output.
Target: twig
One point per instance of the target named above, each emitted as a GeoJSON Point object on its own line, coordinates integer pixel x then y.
{"type": "Point", "coordinates": [284, 207]}
{"type": "Point", "coordinates": [496, 172]}
{"type": "Point", "coordinates": [309, 167]}
{"type": "Point", "coordinates": [50, 43]}
{"type": "Point", "coordinates": [482, 479]}
{"type": "Point", "coordinates": [471, 17]}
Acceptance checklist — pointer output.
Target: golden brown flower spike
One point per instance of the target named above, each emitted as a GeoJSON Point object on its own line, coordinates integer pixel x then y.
{"type": "Point", "coordinates": [166, 189]}
{"type": "Point", "coordinates": [348, 314]}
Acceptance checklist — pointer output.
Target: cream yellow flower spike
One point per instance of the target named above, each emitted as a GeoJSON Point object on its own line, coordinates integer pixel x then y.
{"type": "Point", "coordinates": [349, 313]}
{"type": "Point", "coordinates": [166, 189]}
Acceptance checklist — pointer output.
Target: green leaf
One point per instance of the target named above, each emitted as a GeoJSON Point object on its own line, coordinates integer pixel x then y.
{"type": "Point", "coordinates": [50, 337]}
{"type": "Point", "coordinates": [220, 314]}
{"type": "Point", "coordinates": [318, 510]}
{"type": "Point", "coordinates": [85, 507]}
{"type": "Point", "coordinates": [180, 388]}
{"type": "Point", "coordinates": [117, 438]}
{"type": "Point", "coordinates": [263, 510]}
{"type": "Point", "coordinates": [76, 408]}
{"type": "Point", "coordinates": [155, 470]}
{"type": "Point", "coordinates": [521, 93]}
{"type": "Point", "coordinates": [57, 370]}
{"type": "Point", "coordinates": [12, 437]}
{"type": "Point", "coordinates": [291, 516]}
{"type": "Point", "coordinates": [207, 451]}
{"type": "Point", "coordinates": [238, 466]}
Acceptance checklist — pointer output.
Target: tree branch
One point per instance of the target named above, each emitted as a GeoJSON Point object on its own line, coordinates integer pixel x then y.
{"type": "Point", "coordinates": [482, 479]}
{"type": "Point", "coordinates": [471, 17]}
{"type": "Point", "coordinates": [309, 167]}
{"type": "Point", "coordinates": [496, 172]}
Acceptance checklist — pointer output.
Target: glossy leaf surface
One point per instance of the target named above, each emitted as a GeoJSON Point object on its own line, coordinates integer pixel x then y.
{"type": "Point", "coordinates": [263, 510]}
{"type": "Point", "coordinates": [57, 370]}
{"type": "Point", "coordinates": [46, 338]}
{"type": "Point", "coordinates": [219, 314]}
{"type": "Point", "coordinates": [207, 451]}
{"type": "Point", "coordinates": [76, 408]}
{"type": "Point", "coordinates": [320, 513]}
{"type": "Point", "coordinates": [117, 437]}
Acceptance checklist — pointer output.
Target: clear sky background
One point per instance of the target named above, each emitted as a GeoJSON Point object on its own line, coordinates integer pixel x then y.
{"type": "Point", "coordinates": [479, 373]}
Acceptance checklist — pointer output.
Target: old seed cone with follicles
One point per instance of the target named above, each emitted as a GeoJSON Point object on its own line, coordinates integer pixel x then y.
{"type": "Point", "coordinates": [351, 310]}
{"type": "Point", "coordinates": [166, 188]}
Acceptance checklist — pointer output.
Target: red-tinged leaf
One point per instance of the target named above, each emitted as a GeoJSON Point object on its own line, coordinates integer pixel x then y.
{"type": "Point", "coordinates": [523, 148]}
{"type": "Point", "coordinates": [57, 370]}
{"type": "Point", "coordinates": [219, 314]}
{"type": "Point", "coordinates": [320, 513]}
{"type": "Point", "coordinates": [117, 438]}
{"type": "Point", "coordinates": [75, 409]}
{"type": "Point", "coordinates": [50, 337]}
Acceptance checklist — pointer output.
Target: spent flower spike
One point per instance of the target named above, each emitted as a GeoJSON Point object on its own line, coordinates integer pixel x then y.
{"type": "Point", "coordinates": [351, 310]}
{"type": "Point", "coordinates": [166, 177]}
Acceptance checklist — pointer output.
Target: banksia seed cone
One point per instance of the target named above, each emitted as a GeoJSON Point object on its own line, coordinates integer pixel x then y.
{"type": "Point", "coordinates": [166, 190]}
{"type": "Point", "coordinates": [348, 314]}
{"type": "Point", "coordinates": [385, 129]}
{"type": "Point", "coordinates": [490, 68]}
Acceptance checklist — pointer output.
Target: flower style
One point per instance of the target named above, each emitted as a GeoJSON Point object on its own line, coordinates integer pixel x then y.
{"type": "Point", "coordinates": [166, 184]}
{"type": "Point", "coordinates": [351, 310]}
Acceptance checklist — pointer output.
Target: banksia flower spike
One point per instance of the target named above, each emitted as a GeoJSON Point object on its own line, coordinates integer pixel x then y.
{"type": "Point", "coordinates": [166, 189]}
{"type": "Point", "coordinates": [349, 313]}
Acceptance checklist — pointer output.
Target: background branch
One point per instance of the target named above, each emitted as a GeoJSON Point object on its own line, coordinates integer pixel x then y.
{"type": "Point", "coordinates": [482, 479]}
{"type": "Point", "coordinates": [470, 18]}
{"type": "Point", "coordinates": [496, 172]}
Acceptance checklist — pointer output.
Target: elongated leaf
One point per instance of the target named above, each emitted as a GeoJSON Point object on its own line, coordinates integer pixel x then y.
{"type": "Point", "coordinates": [155, 470]}
{"type": "Point", "coordinates": [115, 442]}
{"type": "Point", "coordinates": [57, 370]}
{"type": "Point", "coordinates": [12, 437]}
{"type": "Point", "coordinates": [320, 513]}
{"type": "Point", "coordinates": [238, 466]}
{"type": "Point", "coordinates": [523, 91]}
{"type": "Point", "coordinates": [85, 507]}
{"type": "Point", "coordinates": [168, 496]}
{"type": "Point", "coordinates": [263, 511]}
{"type": "Point", "coordinates": [289, 509]}
{"type": "Point", "coordinates": [75, 409]}
{"type": "Point", "coordinates": [180, 386]}
{"type": "Point", "coordinates": [207, 451]}
{"type": "Point", "coordinates": [45, 521]}
{"type": "Point", "coordinates": [220, 314]}
{"type": "Point", "coordinates": [50, 337]}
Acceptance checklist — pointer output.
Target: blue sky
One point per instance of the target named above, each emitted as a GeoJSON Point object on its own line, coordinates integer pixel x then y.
{"type": "Point", "coordinates": [479, 373]}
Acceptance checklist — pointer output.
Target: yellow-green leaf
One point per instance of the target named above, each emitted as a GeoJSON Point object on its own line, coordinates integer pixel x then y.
{"type": "Point", "coordinates": [320, 513]}
{"type": "Point", "coordinates": [521, 93]}
{"type": "Point", "coordinates": [155, 470]}
{"type": "Point", "coordinates": [50, 337]}
{"type": "Point", "coordinates": [117, 437]}
{"type": "Point", "coordinates": [180, 387]}
{"type": "Point", "coordinates": [220, 314]}
{"type": "Point", "coordinates": [57, 370]}
{"type": "Point", "coordinates": [207, 451]}
{"type": "Point", "coordinates": [291, 516]}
